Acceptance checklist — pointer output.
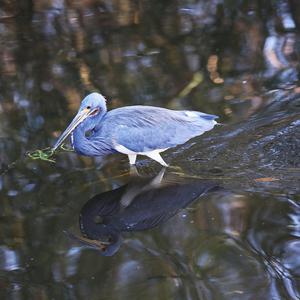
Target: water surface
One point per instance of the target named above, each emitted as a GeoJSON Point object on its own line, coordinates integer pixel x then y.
{"type": "Point", "coordinates": [223, 223]}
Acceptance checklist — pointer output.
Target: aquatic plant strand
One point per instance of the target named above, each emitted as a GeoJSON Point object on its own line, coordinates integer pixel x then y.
{"type": "Point", "coordinates": [47, 153]}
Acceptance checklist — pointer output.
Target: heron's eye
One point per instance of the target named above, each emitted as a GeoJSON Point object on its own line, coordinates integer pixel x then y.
{"type": "Point", "coordinates": [88, 107]}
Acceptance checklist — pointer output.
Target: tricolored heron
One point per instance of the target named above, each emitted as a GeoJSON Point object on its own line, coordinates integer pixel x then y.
{"type": "Point", "coordinates": [132, 130]}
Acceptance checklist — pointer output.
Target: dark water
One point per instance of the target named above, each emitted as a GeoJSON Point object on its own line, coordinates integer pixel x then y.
{"type": "Point", "coordinates": [223, 223]}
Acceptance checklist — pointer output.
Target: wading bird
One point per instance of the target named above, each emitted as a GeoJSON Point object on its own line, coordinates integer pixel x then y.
{"type": "Point", "coordinates": [132, 130]}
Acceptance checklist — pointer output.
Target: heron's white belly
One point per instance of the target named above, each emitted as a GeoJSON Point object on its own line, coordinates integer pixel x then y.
{"type": "Point", "coordinates": [124, 150]}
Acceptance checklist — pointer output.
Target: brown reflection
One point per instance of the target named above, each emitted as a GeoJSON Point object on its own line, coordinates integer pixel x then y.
{"type": "Point", "coordinates": [236, 245]}
{"type": "Point", "coordinates": [129, 52]}
{"type": "Point", "coordinates": [9, 63]}
{"type": "Point", "coordinates": [212, 68]}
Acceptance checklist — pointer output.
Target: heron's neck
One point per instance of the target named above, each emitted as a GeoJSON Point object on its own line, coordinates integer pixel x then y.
{"type": "Point", "coordinates": [93, 146]}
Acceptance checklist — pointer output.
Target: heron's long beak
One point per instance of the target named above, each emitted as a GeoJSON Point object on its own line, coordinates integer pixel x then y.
{"type": "Point", "coordinates": [79, 118]}
{"type": "Point", "coordinates": [88, 242]}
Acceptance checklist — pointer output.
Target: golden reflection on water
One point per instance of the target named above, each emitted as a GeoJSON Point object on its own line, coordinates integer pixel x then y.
{"type": "Point", "coordinates": [238, 242]}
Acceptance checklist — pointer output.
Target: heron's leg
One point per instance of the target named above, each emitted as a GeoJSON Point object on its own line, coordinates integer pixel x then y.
{"type": "Point", "coordinates": [156, 156]}
{"type": "Point", "coordinates": [156, 181]}
{"type": "Point", "coordinates": [133, 171]}
{"type": "Point", "coordinates": [132, 158]}
{"type": "Point", "coordinates": [128, 197]}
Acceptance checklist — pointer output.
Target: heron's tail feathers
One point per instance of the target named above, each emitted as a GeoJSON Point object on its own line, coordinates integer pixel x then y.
{"type": "Point", "coordinates": [201, 115]}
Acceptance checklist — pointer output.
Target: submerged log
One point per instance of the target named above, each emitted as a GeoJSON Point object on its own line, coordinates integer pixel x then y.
{"type": "Point", "coordinates": [267, 145]}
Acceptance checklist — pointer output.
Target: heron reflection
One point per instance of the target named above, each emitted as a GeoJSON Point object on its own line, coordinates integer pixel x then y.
{"type": "Point", "coordinates": [141, 204]}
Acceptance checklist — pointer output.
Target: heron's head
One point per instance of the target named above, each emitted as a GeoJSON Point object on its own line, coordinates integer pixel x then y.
{"type": "Point", "coordinates": [93, 103]}
{"type": "Point", "coordinates": [92, 107]}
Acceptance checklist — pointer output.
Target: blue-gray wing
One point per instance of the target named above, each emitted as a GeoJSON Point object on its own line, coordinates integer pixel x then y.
{"type": "Point", "coordinates": [146, 128]}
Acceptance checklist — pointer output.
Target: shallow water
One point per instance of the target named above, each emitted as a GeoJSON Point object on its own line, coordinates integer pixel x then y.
{"type": "Point", "coordinates": [222, 222]}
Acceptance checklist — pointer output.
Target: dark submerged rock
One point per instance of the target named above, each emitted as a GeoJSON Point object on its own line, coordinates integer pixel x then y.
{"type": "Point", "coordinates": [265, 145]}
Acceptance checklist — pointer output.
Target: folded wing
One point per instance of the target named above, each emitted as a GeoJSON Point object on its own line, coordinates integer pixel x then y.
{"type": "Point", "coordinates": [144, 128]}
